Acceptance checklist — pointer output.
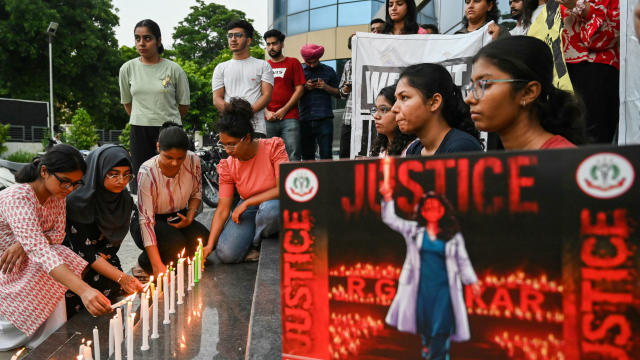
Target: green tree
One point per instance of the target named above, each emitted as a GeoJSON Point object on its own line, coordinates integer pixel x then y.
{"type": "Point", "coordinates": [4, 136]}
{"type": "Point", "coordinates": [203, 33]}
{"type": "Point", "coordinates": [125, 136]}
{"type": "Point", "coordinates": [85, 56]}
{"type": "Point", "coordinates": [82, 133]}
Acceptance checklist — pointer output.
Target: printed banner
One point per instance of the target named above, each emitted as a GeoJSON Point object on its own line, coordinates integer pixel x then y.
{"type": "Point", "coordinates": [379, 59]}
{"type": "Point", "coordinates": [510, 255]}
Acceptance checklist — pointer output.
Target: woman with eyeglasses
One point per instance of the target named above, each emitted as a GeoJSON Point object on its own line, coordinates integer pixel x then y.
{"type": "Point", "coordinates": [170, 192]}
{"type": "Point", "coordinates": [153, 90]}
{"type": "Point", "coordinates": [429, 105]}
{"type": "Point", "coordinates": [35, 268]}
{"type": "Point", "coordinates": [98, 217]}
{"type": "Point", "coordinates": [252, 169]}
{"type": "Point", "coordinates": [390, 141]}
{"type": "Point", "coordinates": [512, 94]}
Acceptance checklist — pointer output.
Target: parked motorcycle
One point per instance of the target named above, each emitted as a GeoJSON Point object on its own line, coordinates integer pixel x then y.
{"type": "Point", "coordinates": [209, 160]}
{"type": "Point", "coordinates": [8, 169]}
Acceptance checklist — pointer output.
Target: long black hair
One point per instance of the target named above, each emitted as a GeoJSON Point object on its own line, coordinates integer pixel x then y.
{"type": "Point", "coordinates": [493, 14]}
{"type": "Point", "coordinates": [172, 136]}
{"type": "Point", "coordinates": [448, 225]}
{"type": "Point", "coordinates": [528, 7]}
{"type": "Point", "coordinates": [431, 79]}
{"type": "Point", "coordinates": [410, 19]}
{"type": "Point", "coordinates": [154, 29]}
{"type": "Point", "coordinates": [59, 159]}
{"type": "Point", "coordinates": [236, 121]}
{"type": "Point", "coordinates": [528, 58]}
{"type": "Point", "coordinates": [400, 140]}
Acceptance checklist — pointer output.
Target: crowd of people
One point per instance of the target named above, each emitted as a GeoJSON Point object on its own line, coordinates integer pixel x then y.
{"type": "Point", "coordinates": [273, 112]}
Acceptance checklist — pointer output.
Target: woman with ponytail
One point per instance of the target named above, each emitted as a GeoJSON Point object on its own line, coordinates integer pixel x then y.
{"type": "Point", "coordinates": [36, 269]}
{"type": "Point", "coordinates": [429, 105]}
{"type": "Point", "coordinates": [512, 94]}
{"type": "Point", "coordinates": [253, 170]}
{"type": "Point", "coordinates": [390, 141]}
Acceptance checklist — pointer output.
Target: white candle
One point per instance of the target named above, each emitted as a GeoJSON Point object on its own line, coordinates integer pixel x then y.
{"type": "Point", "coordinates": [128, 312]}
{"type": "Point", "coordinates": [180, 281]}
{"type": "Point", "coordinates": [81, 349]}
{"type": "Point", "coordinates": [145, 321]}
{"type": "Point", "coordinates": [86, 351]}
{"type": "Point", "coordinates": [112, 325]}
{"type": "Point", "coordinates": [130, 336]}
{"type": "Point", "coordinates": [172, 293]}
{"type": "Point", "coordinates": [154, 334]}
{"type": "Point", "coordinates": [117, 340]}
{"type": "Point", "coordinates": [190, 280]}
{"type": "Point", "coordinates": [165, 285]}
{"type": "Point", "coordinates": [119, 322]}
{"type": "Point", "coordinates": [96, 343]}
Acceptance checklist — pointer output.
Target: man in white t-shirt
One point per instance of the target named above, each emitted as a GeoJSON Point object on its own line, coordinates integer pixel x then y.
{"type": "Point", "coordinates": [243, 76]}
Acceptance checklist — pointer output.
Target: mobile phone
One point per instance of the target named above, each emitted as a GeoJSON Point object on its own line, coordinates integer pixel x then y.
{"type": "Point", "coordinates": [315, 80]}
{"type": "Point", "coordinates": [174, 220]}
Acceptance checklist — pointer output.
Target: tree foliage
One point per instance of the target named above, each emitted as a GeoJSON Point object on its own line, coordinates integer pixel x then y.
{"type": "Point", "coordinates": [125, 137]}
{"type": "Point", "coordinates": [203, 33]}
{"type": "Point", "coordinates": [85, 56]}
{"type": "Point", "coordinates": [82, 133]}
{"type": "Point", "coordinates": [4, 136]}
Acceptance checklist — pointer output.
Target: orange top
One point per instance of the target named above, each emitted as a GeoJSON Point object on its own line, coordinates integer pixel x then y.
{"type": "Point", "coordinates": [255, 175]}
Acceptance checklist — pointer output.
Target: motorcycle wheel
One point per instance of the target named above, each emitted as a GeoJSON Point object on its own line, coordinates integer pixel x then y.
{"type": "Point", "coordinates": [210, 191]}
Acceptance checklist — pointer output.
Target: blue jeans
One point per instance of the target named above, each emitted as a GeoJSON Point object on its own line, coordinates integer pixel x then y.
{"type": "Point", "coordinates": [289, 131]}
{"type": "Point", "coordinates": [316, 131]}
{"type": "Point", "coordinates": [255, 223]}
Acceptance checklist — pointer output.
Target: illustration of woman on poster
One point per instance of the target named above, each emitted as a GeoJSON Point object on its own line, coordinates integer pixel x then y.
{"type": "Point", "coordinates": [429, 300]}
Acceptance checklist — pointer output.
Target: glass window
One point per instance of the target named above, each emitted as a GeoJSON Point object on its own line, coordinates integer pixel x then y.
{"type": "Point", "coordinates": [298, 23]}
{"type": "Point", "coordinates": [332, 64]}
{"type": "Point", "coordinates": [319, 3]}
{"type": "Point", "coordinates": [375, 6]}
{"type": "Point", "coordinates": [355, 13]}
{"type": "Point", "coordinates": [295, 6]}
{"type": "Point", "coordinates": [322, 18]}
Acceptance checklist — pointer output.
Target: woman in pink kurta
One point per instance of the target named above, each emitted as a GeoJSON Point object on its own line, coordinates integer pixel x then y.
{"type": "Point", "coordinates": [36, 269]}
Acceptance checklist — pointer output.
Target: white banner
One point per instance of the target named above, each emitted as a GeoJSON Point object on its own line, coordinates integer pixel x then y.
{"type": "Point", "coordinates": [629, 126]}
{"type": "Point", "coordinates": [378, 60]}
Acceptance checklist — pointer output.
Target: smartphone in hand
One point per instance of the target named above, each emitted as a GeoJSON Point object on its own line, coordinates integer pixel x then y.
{"type": "Point", "coordinates": [174, 220]}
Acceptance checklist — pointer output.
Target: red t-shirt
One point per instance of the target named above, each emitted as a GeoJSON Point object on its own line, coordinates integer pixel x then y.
{"type": "Point", "coordinates": [557, 142]}
{"type": "Point", "coordinates": [286, 75]}
{"type": "Point", "coordinates": [255, 175]}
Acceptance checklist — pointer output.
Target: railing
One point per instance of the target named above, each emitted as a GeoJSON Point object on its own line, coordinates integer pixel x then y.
{"type": "Point", "coordinates": [19, 133]}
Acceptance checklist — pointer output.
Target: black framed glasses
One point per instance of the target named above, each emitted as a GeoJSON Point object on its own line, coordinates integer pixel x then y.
{"type": "Point", "coordinates": [66, 184]}
{"type": "Point", "coordinates": [238, 35]}
{"type": "Point", "coordinates": [477, 87]}
{"type": "Point", "coordinates": [116, 177]}
{"type": "Point", "coordinates": [382, 109]}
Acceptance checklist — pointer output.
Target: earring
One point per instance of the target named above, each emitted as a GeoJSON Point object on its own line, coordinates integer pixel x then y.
{"type": "Point", "coordinates": [524, 102]}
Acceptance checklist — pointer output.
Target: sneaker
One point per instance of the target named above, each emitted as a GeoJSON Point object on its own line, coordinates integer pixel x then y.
{"type": "Point", "coordinates": [138, 272]}
{"type": "Point", "coordinates": [252, 256]}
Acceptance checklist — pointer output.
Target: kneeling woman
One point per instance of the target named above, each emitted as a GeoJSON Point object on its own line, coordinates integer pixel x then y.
{"type": "Point", "coordinates": [169, 194]}
{"type": "Point", "coordinates": [252, 169]}
{"type": "Point", "coordinates": [36, 268]}
{"type": "Point", "coordinates": [98, 217]}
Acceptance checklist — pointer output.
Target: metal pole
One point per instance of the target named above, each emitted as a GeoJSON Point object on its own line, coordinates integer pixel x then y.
{"type": "Point", "coordinates": [51, 117]}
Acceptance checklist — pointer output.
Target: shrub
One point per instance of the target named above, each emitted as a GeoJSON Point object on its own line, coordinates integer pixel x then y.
{"type": "Point", "coordinates": [21, 156]}
{"type": "Point", "coordinates": [82, 133]}
{"type": "Point", "coordinates": [125, 136]}
{"type": "Point", "coordinates": [4, 136]}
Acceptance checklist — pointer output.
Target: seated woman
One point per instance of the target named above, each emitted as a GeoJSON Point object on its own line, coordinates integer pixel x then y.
{"type": "Point", "coordinates": [390, 141]}
{"type": "Point", "coordinates": [429, 105]}
{"type": "Point", "coordinates": [169, 194]}
{"type": "Point", "coordinates": [252, 169]}
{"type": "Point", "coordinates": [512, 94]}
{"type": "Point", "coordinates": [98, 216]}
{"type": "Point", "coordinates": [36, 268]}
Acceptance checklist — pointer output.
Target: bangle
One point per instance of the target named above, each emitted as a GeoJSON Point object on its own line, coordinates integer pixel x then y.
{"type": "Point", "coordinates": [120, 278]}
{"type": "Point", "coordinates": [579, 8]}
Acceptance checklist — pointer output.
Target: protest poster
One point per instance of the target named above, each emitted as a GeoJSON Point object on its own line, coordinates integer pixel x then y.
{"type": "Point", "coordinates": [378, 60]}
{"type": "Point", "coordinates": [550, 269]}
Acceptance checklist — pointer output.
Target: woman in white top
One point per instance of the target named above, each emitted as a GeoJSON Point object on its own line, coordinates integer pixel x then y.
{"type": "Point", "coordinates": [153, 91]}
{"type": "Point", "coordinates": [390, 141]}
{"type": "Point", "coordinates": [170, 191]}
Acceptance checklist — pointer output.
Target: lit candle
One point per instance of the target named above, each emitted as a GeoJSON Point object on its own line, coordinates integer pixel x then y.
{"type": "Point", "coordinates": [112, 329]}
{"type": "Point", "coordinates": [154, 334]}
{"type": "Point", "coordinates": [17, 355]}
{"type": "Point", "coordinates": [165, 284]}
{"type": "Point", "coordinates": [180, 280]}
{"type": "Point", "coordinates": [172, 293]}
{"type": "Point", "coordinates": [130, 336]}
{"type": "Point", "coordinates": [201, 257]}
{"type": "Point", "coordinates": [86, 351]}
{"type": "Point", "coordinates": [190, 280]}
{"type": "Point", "coordinates": [145, 321]}
{"type": "Point", "coordinates": [117, 340]}
{"type": "Point", "coordinates": [81, 348]}
{"type": "Point", "coordinates": [196, 267]}
{"type": "Point", "coordinates": [96, 343]}
{"type": "Point", "coordinates": [119, 324]}
{"type": "Point", "coordinates": [160, 282]}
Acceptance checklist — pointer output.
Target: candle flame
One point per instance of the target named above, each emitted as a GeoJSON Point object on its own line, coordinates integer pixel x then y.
{"type": "Point", "coordinates": [182, 253]}
{"type": "Point", "coordinates": [20, 352]}
{"type": "Point", "coordinates": [83, 340]}
{"type": "Point", "coordinates": [80, 357]}
{"type": "Point", "coordinates": [88, 342]}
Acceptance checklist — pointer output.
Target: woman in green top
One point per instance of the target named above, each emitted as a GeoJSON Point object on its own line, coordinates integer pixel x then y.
{"type": "Point", "coordinates": [153, 91]}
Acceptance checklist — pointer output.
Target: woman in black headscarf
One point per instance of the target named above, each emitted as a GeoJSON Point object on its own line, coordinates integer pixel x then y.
{"type": "Point", "coordinates": [98, 216]}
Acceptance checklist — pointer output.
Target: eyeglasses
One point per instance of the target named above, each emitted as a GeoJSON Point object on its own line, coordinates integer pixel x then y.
{"type": "Point", "coordinates": [477, 87]}
{"type": "Point", "coordinates": [116, 177]}
{"type": "Point", "coordinates": [66, 184]}
{"type": "Point", "coordinates": [238, 35]}
{"type": "Point", "coordinates": [382, 109]}
{"type": "Point", "coordinates": [230, 147]}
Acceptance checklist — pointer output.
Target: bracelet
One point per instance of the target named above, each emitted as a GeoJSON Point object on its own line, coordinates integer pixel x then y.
{"type": "Point", "coordinates": [120, 278]}
{"type": "Point", "coordinates": [579, 8]}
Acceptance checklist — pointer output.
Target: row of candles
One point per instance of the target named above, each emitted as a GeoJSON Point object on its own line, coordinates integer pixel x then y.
{"type": "Point", "coordinates": [124, 323]}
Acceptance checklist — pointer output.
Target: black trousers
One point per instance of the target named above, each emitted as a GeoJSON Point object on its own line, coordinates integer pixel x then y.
{"type": "Point", "coordinates": [345, 141]}
{"type": "Point", "coordinates": [142, 146]}
{"type": "Point", "coordinates": [597, 85]}
{"type": "Point", "coordinates": [170, 241]}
